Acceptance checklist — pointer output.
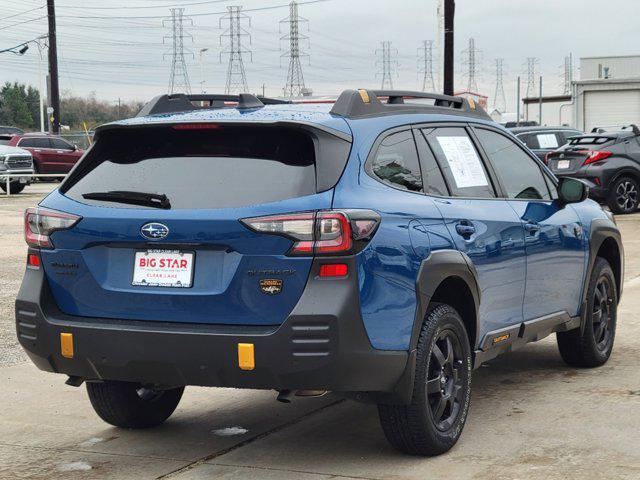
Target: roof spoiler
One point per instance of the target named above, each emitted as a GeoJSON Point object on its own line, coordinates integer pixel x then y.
{"type": "Point", "coordinates": [634, 128]}
{"type": "Point", "coordinates": [180, 102]}
{"type": "Point", "coordinates": [363, 103]}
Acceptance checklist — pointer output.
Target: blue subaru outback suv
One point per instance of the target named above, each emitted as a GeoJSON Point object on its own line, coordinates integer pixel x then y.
{"type": "Point", "coordinates": [381, 248]}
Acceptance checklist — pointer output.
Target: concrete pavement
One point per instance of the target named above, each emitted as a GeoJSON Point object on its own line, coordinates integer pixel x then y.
{"type": "Point", "coordinates": [532, 417]}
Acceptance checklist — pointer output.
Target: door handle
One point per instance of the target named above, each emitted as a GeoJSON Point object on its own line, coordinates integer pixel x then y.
{"type": "Point", "coordinates": [465, 229]}
{"type": "Point", "coordinates": [532, 227]}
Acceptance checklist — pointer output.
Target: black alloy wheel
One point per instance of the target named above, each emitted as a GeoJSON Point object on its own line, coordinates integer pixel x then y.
{"type": "Point", "coordinates": [445, 380]}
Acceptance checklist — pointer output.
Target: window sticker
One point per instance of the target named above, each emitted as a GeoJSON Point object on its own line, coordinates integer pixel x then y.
{"type": "Point", "coordinates": [547, 140]}
{"type": "Point", "coordinates": [464, 162]}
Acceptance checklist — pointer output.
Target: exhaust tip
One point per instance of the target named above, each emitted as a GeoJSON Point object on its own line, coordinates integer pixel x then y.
{"type": "Point", "coordinates": [284, 396]}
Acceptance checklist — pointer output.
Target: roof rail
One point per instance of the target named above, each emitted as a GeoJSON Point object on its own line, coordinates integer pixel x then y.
{"type": "Point", "coordinates": [364, 103]}
{"type": "Point", "coordinates": [180, 102]}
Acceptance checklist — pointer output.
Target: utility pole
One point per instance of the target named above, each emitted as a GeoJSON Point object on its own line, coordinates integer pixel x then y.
{"type": "Point", "coordinates": [471, 63]}
{"type": "Point", "coordinates": [439, 44]}
{"type": "Point", "coordinates": [499, 98]}
{"type": "Point", "coordinates": [236, 76]}
{"type": "Point", "coordinates": [532, 63]}
{"type": "Point", "coordinates": [518, 103]}
{"type": "Point", "coordinates": [449, 12]}
{"type": "Point", "coordinates": [200, 53]}
{"type": "Point", "coordinates": [425, 66]}
{"type": "Point", "coordinates": [540, 102]}
{"type": "Point", "coordinates": [386, 64]}
{"type": "Point", "coordinates": [295, 80]}
{"type": "Point", "coordinates": [179, 79]}
{"type": "Point", "coordinates": [54, 98]}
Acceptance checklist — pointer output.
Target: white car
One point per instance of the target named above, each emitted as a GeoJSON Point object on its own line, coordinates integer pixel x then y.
{"type": "Point", "coordinates": [14, 160]}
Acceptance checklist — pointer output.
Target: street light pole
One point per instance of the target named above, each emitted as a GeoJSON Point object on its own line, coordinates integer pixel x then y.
{"type": "Point", "coordinates": [202, 50]}
{"type": "Point", "coordinates": [41, 81]}
{"type": "Point", "coordinates": [449, 12]}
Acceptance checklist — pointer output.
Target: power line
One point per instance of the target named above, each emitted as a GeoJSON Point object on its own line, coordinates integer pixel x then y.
{"type": "Point", "coordinates": [23, 22]}
{"type": "Point", "coordinates": [23, 12]}
{"type": "Point", "coordinates": [387, 65]}
{"type": "Point", "coordinates": [472, 63]}
{"type": "Point", "coordinates": [295, 79]}
{"type": "Point", "coordinates": [256, 9]}
{"type": "Point", "coordinates": [179, 79]}
{"type": "Point", "coordinates": [129, 7]}
{"type": "Point", "coordinates": [425, 66]}
{"type": "Point", "coordinates": [499, 98]}
{"type": "Point", "coordinates": [236, 76]}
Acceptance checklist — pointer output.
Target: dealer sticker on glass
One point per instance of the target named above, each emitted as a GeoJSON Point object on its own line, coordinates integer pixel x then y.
{"type": "Point", "coordinates": [163, 268]}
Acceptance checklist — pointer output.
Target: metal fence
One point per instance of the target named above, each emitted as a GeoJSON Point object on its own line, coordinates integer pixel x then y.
{"type": "Point", "coordinates": [7, 178]}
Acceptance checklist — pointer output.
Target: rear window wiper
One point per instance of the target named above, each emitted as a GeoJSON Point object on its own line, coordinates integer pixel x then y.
{"type": "Point", "coordinates": [155, 200]}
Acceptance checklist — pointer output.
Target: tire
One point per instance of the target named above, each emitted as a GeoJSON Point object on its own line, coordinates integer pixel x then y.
{"type": "Point", "coordinates": [127, 405]}
{"type": "Point", "coordinates": [14, 187]}
{"type": "Point", "coordinates": [592, 347]}
{"type": "Point", "coordinates": [418, 428]}
{"type": "Point", "coordinates": [624, 196]}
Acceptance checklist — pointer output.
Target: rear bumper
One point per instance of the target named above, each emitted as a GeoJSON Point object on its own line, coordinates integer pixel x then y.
{"type": "Point", "coordinates": [321, 345]}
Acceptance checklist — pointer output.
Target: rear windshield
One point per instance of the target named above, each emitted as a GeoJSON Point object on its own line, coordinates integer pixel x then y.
{"type": "Point", "coordinates": [214, 168]}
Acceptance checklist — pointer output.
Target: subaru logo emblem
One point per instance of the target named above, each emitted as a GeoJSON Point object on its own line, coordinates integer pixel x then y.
{"type": "Point", "coordinates": [154, 231]}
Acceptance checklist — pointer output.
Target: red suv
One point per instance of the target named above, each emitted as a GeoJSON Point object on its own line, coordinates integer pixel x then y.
{"type": "Point", "coordinates": [51, 154]}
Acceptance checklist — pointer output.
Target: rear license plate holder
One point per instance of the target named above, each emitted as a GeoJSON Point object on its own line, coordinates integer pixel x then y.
{"type": "Point", "coordinates": [163, 268]}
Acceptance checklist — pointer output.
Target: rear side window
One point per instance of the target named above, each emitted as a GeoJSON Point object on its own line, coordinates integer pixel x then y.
{"type": "Point", "coordinates": [460, 162]}
{"type": "Point", "coordinates": [519, 173]}
{"type": "Point", "coordinates": [38, 142]}
{"type": "Point", "coordinates": [213, 168]}
{"type": "Point", "coordinates": [396, 162]}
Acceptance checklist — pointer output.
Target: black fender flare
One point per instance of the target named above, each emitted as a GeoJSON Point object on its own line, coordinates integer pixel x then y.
{"type": "Point", "coordinates": [601, 229]}
{"type": "Point", "coordinates": [435, 269]}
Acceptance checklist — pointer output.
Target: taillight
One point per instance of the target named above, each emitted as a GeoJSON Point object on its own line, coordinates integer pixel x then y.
{"type": "Point", "coordinates": [596, 156]}
{"type": "Point", "coordinates": [40, 223]}
{"type": "Point", "coordinates": [326, 232]}
{"type": "Point", "coordinates": [334, 270]}
{"type": "Point", "coordinates": [33, 261]}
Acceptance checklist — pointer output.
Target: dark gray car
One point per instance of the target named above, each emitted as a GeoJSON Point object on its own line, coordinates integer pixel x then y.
{"type": "Point", "coordinates": [543, 140]}
{"type": "Point", "coordinates": [609, 162]}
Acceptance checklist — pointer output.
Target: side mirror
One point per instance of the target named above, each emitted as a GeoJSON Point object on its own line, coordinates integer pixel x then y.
{"type": "Point", "coordinates": [571, 190]}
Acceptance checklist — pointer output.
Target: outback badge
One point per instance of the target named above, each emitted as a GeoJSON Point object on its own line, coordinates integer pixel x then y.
{"type": "Point", "coordinates": [271, 286]}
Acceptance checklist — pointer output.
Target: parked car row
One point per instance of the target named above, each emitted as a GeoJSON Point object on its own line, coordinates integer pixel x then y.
{"type": "Point", "coordinates": [51, 154]}
{"type": "Point", "coordinates": [607, 161]}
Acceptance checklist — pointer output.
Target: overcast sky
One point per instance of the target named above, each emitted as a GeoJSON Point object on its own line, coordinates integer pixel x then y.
{"type": "Point", "coordinates": [117, 56]}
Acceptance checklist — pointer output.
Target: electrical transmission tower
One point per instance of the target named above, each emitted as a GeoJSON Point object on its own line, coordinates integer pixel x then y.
{"type": "Point", "coordinates": [567, 75]}
{"type": "Point", "coordinates": [472, 63]}
{"type": "Point", "coordinates": [179, 80]}
{"type": "Point", "coordinates": [425, 66]}
{"type": "Point", "coordinates": [532, 64]}
{"type": "Point", "coordinates": [295, 80]}
{"type": "Point", "coordinates": [499, 99]}
{"type": "Point", "coordinates": [387, 65]}
{"type": "Point", "coordinates": [236, 76]}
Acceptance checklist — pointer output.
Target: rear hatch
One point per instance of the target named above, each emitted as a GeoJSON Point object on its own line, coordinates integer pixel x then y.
{"type": "Point", "coordinates": [578, 152]}
{"type": "Point", "coordinates": [160, 237]}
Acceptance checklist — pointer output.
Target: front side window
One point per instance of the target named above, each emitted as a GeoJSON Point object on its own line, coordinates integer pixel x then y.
{"type": "Point", "coordinates": [460, 162]}
{"type": "Point", "coordinates": [60, 144]}
{"type": "Point", "coordinates": [396, 162]}
{"type": "Point", "coordinates": [520, 175]}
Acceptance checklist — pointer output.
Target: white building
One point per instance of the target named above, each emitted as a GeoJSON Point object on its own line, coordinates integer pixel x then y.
{"type": "Point", "coordinates": [608, 92]}
{"type": "Point", "coordinates": [556, 110]}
